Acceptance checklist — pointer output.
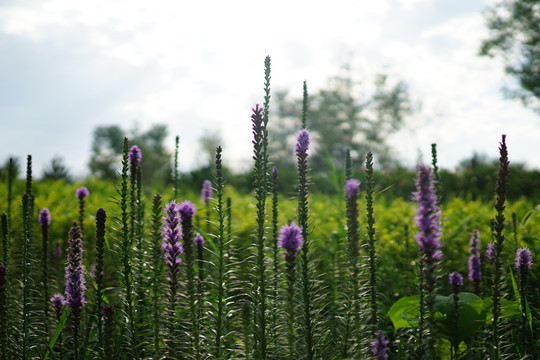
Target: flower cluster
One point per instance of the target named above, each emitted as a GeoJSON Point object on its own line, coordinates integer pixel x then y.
{"type": "Point", "coordinates": [199, 240]}
{"type": "Point", "coordinates": [75, 281]}
{"type": "Point", "coordinates": [206, 191]}
{"type": "Point", "coordinates": [302, 143]}
{"type": "Point", "coordinates": [379, 347]}
{"type": "Point", "coordinates": [290, 238]}
{"type": "Point", "coordinates": [171, 236]}
{"type": "Point", "coordinates": [59, 303]}
{"type": "Point", "coordinates": [456, 280]}
{"type": "Point", "coordinates": [44, 218]}
{"type": "Point", "coordinates": [428, 215]}
{"type": "Point", "coordinates": [352, 188]}
{"type": "Point", "coordinates": [475, 273]}
{"type": "Point", "coordinates": [82, 193]}
{"type": "Point", "coordinates": [135, 156]}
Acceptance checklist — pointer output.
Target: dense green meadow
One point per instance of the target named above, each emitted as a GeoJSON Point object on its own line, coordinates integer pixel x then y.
{"type": "Point", "coordinates": [420, 264]}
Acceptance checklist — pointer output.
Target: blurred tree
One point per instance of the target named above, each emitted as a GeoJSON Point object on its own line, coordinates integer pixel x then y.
{"type": "Point", "coordinates": [4, 169]}
{"type": "Point", "coordinates": [346, 115]}
{"type": "Point", "coordinates": [107, 152]}
{"type": "Point", "coordinates": [514, 27]}
{"type": "Point", "coordinates": [57, 171]}
{"type": "Point", "coordinates": [208, 142]}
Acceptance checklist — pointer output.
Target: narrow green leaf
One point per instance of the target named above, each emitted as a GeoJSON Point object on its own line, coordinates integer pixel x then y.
{"type": "Point", "coordinates": [57, 332]}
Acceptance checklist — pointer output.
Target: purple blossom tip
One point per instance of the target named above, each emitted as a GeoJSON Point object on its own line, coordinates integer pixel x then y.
{"type": "Point", "coordinates": [44, 217]}
{"type": "Point", "coordinates": [490, 252]}
{"type": "Point", "coordinates": [134, 155]}
{"type": "Point", "coordinates": [187, 209]}
{"type": "Point", "coordinates": [171, 236]}
{"type": "Point", "coordinates": [302, 143]}
{"type": "Point", "coordinates": [290, 237]}
{"type": "Point", "coordinates": [274, 173]}
{"type": "Point", "coordinates": [206, 191]}
{"type": "Point", "coordinates": [199, 240]}
{"type": "Point", "coordinates": [352, 188]}
{"type": "Point", "coordinates": [474, 268]}
{"type": "Point", "coordinates": [59, 303]}
{"type": "Point", "coordinates": [427, 215]}
{"type": "Point", "coordinates": [379, 347]}
{"type": "Point", "coordinates": [82, 192]}
{"type": "Point", "coordinates": [523, 259]}
{"type": "Point", "coordinates": [456, 280]}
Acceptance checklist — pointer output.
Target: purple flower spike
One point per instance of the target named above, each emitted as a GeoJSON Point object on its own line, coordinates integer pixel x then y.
{"type": "Point", "coordinates": [456, 280]}
{"type": "Point", "coordinates": [171, 237]}
{"type": "Point", "coordinates": [302, 143]}
{"type": "Point", "coordinates": [59, 303]}
{"type": "Point", "coordinates": [523, 259]}
{"type": "Point", "coordinates": [206, 191]}
{"type": "Point", "coordinates": [57, 252]}
{"type": "Point", "coordinates": [475, 274]}
{"type": "Point", "coordinates": [379, 347]}
{"type": "Point", "coordinates": [82, 192]}
{"type": "Point", "coordinates": [135, 156]}
{"type": "Point", "coordinates": [428, 215]}
{"type": "Point", "coordinates": [274, 173]}
{"type": "Point", "coordinates": [490, 252]}
{"type": "Point", "coordinates": [44, 218]}
{"type": "Point", "coordinates": [352, 188]}
{"type": "Point", "coordinates": [187, 210]}
{"type": "Point", "coordinates": [199, 240]}
{"type": "Point", "coordinates": [290, 238]}
{"type": "Point", "coordinates": [75, 282]}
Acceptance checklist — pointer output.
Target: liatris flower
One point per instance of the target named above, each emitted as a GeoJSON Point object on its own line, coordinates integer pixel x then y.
{"type": "Point", "coordinates": [171, 236]}
{"type": "Point", "coordinates": [428, 216]}
{"type": "Point", "coordinates": [302, 143]}
{"type": "Point", "coordinates": [187, 211]}
{"type": "Point", "coordinates": [475, 273]}
{"type": "Point", "coordinates": [206, 195]}
{"type": "Point", "coordinates": [173, 248]}
{"type": "Point", "coordinates": [379, 347]}
{"type": "Point", "coordinates": [456, 280]}
{"type": "Point", "coordinates": [290, 238]}
{"type": "Point", "coordinates": [135, 156]}
{"type": "Point", "coordinates": [428, 238]}
{"type": "Point", "coordinates": [75, 284]}
{"type": "Point", "coordinates": [523, 259]}
{"type": "Point", "coordinates": [44, 219]}
{"type": "Point", "coordinates": [57, 252]}
{"type": "Point", "coordinates": [206, 191]}
{"type": "Point", "coordinates": [82, 193]}
{"type": "Point", "coordinates": [490, 252]}
{"type": "Point", "coordinates": [199, 240]}
{"type": "Point", "coordinates": [260, 142]}
{"type": "Point", "coordinates": [59, 303]}
{"type": "Point", "coordinates": [352, 188]}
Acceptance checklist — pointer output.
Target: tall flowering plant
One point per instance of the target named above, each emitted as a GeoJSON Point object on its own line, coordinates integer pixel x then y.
{"type": "Point", "coordinates": [290, 239]}
{"type": "Point", "coordinates": [75, 285]}
{"type": "Point", "coordinates": [172, 248]}
{"type": "Point", "coordinates": [427, 220]}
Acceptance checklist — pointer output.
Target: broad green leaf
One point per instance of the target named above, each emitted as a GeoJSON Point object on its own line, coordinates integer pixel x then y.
{"type": "Point", "coordinates": [405, 312]}
{"type": "Point", "coordinates": [471, 312]}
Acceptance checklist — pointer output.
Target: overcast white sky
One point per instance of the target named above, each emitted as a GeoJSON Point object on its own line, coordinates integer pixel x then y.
{"type": "Point", "coordinates": [68, 66]}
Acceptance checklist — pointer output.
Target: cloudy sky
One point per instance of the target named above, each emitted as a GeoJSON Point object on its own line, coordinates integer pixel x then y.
{"type": "Point", "coordinates": [69, 66]}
